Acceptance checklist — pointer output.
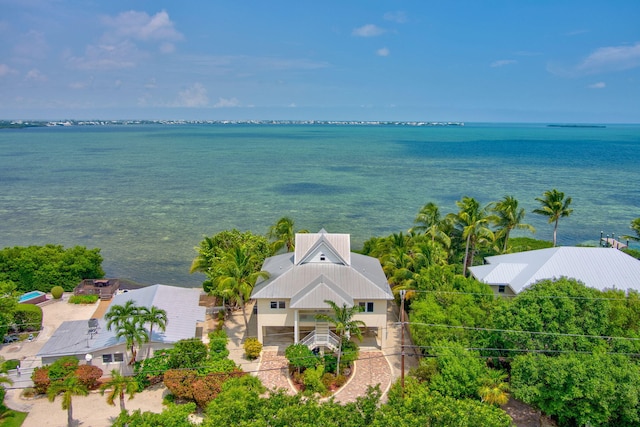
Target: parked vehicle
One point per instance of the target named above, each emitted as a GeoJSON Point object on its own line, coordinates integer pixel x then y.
{"type": "Point", "coordinates": [10, 338]}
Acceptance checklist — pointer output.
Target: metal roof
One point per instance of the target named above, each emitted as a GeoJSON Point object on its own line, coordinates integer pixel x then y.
{"type": "Point", "coordinates": [181, 305]}
{"type": "Point", "coordinates": [317, 292]}
{"type": "Point", "coordinates": [362, 279]}
{"type": "Point", "coordinates": [599, 268]}
{"type": "Point", "coordinates": [339, 244]}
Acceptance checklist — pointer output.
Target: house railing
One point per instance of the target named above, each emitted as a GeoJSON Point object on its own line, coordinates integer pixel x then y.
{"type": "Point", "coordinates": [321, 339]}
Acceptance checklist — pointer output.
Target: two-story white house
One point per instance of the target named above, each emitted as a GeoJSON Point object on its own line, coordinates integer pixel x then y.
{"type": "Point", "coordinates": [321, 268]}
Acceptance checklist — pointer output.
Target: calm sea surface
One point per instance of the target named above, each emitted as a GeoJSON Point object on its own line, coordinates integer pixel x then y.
{"type": "Point", "coordinates": [146, 195]}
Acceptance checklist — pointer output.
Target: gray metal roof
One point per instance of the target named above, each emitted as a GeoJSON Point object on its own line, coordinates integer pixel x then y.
{"type": "Point", "coordinates": [320, 290]}
{"type": "Point", "coordinates": [181, 305]}
{"type": "Point", "coordinates": [363, 279]}
{"type": "Point", "coordinates": [340, 244]}
{"type": "Point", "coordinates": [599, 268]}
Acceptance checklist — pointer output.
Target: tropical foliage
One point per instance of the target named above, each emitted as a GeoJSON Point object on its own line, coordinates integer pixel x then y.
{"type": "Point", "coordinates": [554, 206]}
{"type": "Point", "coordinates": [129, 321]}
{"type": "Point", "coordinates": [43, 267]}
{"type": "Point", "coordinates": [67, 388]}
{"type": "Point", "coordinates": [119, 386]}
{"type": "Point", "coordinates": [282, 235]}
{"type": "Point", "coordinates": [344, 324]}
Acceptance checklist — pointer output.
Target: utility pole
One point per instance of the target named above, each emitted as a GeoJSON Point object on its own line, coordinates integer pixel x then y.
{"type": "Point", "coordinates": [402, 340]}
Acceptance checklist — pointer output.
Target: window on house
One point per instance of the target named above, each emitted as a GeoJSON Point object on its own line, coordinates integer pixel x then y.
{"type": "Point", "coordinates": [278, 305]}
{"type": "Point", "coordinates": [501, 289]}
{"type": "Point", "coordinates": [323, 257]}
{"type": "Point", "coordinates": [107, 358]}
{"type": "Point", "coordinates": [118, 357]}
{"type": "Point", "coordinates": [366, 307]}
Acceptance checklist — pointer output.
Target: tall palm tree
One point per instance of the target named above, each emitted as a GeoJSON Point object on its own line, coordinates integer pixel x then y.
{"type": "Point", "coordinates": [119, 385]}
{"type": "Point", "coordinates": [237, 273]}
{"type": "Point", "coordinates": [472, 221]}
{"type": "Point", "coordinates": [554, 206]}
{"type": "Point", "coordinates": [509, 217]}
{"type": "Point", "coordinates": [153, 316]}
{"type": "Point", "coordinates": [283, 233]}
{"type": "Point", "coordinates": [134, 334]}
{"type": "Point", "coordinates": [345, 326]}
{"type": "Point", "coordinates": [68, 388]}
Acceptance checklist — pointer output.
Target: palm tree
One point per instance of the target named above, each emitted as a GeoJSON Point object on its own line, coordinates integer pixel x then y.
{"type": "Point", "coordinates": [430, 223]}
{"type": "Point", "coordinates": [283, 233]}
{"type": "Point", "coordinates": [68, 387]}
{"type": "Point", "coordinates": [237, 273]}
{"type": "Point", "coordinates": [508, 217]}
{"type": "Point", "coordinates": [121, 314]}
{"type": "Point", "coordinates": [494, 389]}
{"type": "Point", "coordinates": [554, 206]}
{"type": "Point", "coordinates": [345, 326]}
{"type": "Point", "coordinates": [134, 334]}
{"type": "Point", "coordinates": [472, 222]}
{"type": "Point", "coordinates": [119, 386]}
{"type": "Point", "coordinates": [153, 316]}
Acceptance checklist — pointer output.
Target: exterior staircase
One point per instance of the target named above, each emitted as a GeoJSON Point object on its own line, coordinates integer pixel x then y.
{"type": "Point", "coordinates": [321, 337]}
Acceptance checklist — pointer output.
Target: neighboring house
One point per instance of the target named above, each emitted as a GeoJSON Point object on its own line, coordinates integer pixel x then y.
{"type": "Point", "coordinates": [599, 268]}
{"type": "Point", "coordinates": [80, 338]}
{"type": "Point", "coordinates": [321, 268]}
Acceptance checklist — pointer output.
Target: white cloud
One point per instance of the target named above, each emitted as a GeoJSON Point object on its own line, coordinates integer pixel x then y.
{"type": "Point", "coordinates": [383, 52]}
{"type": "Point", "coordinates": [369, 30]}
{"type": "Point", "coordinates": [142, 26]}
{"type": "Point", "coordinates": [107, 57]}
{"type": "Point", "coordinates": [599, 85]}
{"type": "Point", "coordinates": [612, 58]}
{"type": "Point", "coordinates": [194, 96]}
{"type": "Point", "coordinates": [226, 103]}
{"type": "Point", "coordinates": [34, 75]}
{"type": "Point", "coordinates": [503, 62]}
{"type": "Point", "coordinates": [5, 70]}
{"type": "Point", "coordinates": [398, 17]}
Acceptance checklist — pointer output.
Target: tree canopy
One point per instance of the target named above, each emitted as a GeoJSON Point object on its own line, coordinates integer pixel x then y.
{"type": "Point", "coordinates": [43, 267]}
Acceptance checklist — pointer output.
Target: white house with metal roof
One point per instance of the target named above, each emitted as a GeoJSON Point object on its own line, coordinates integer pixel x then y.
{"type": "Point", "coordinates": [80, 338]}
{"type": "Point", "coordinates": [321, 268]}
{"type": "Point", "coordinates": [599, 268]}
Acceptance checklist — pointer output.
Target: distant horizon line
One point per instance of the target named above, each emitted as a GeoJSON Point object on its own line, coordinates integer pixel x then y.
{"type": "Point", "coordinates": [426, 123]}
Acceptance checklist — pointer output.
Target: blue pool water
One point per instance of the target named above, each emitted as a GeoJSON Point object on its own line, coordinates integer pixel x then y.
{"type": "Point", "coordinates": [30, 295]}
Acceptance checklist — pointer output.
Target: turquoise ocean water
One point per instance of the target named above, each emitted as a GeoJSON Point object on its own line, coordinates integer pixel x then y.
{"type": "Point", "coordinates": [147, 194]}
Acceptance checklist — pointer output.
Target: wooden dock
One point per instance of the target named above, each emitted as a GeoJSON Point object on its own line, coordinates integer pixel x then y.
{"type": "Point", "coordinates": [613, 243]}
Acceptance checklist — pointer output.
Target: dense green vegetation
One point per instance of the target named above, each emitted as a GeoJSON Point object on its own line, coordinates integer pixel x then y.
{"type": "Point", "coordinates": [40, 268]}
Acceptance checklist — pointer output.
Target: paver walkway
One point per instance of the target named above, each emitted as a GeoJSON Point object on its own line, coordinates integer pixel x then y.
{"type": "Point", "coordinates": [371, 369]}
{"type": "Point", "coordinates": [273, 371]}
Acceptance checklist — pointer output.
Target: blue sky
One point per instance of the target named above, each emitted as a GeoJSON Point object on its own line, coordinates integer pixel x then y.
{"type": "Point", "coordinates": [487, 61]}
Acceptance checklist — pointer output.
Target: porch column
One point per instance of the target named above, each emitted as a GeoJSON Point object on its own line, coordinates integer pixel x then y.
{"type": "Point", "coordinates": [296, 328]}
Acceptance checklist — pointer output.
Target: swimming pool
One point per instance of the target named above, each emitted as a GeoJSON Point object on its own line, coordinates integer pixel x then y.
{"type": "Point", "coordinates": [33, 297]}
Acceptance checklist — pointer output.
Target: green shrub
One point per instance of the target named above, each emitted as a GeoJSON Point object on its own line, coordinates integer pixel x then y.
{"type": "Point", "coordinates": [28, 317]}
{"type": "Point", "coordinates": [300, 357]}
{"type": "Point", "coordinates": [11, 364]}
{"type": "Point", "coordinates": [330, 363]}
{"type": "Point", "coordinates": [56, 292]}
{"type": "Point", "coordinates": [252, 348]}
{"type": "Point", "coordinates": [83, 299]}
{"type": "Point", "coordinates": [188, 353]}
{"type": "Point", "coordinates": [63, 367]}
{"type": "Point", "coordinates": [89, 375]}
{"type": "Point", "coordinates": [313, 380]}
{"type": "Point", "coordinates": [151, 371]}
{"type": "Point", "coordinates": [218, 340]}
{"type": "Point", "coordinates": [340, 380]}
{"type": "Point", "coordinates": [328, 380]}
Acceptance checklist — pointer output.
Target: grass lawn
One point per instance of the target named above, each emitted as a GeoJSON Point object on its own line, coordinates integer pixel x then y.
{"type": "Point", "coordinates": [13, 419]}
